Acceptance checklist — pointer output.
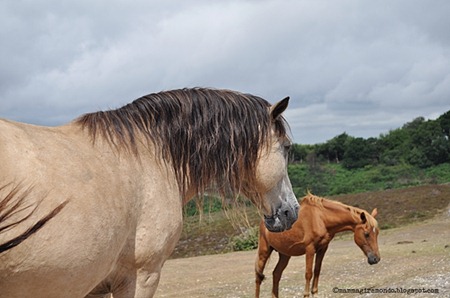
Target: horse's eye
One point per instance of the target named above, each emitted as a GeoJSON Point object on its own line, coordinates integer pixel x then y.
{"type": "Point", "coordinates": [287, 147]}
{"type": "Point", "coordinates": [366, 234]}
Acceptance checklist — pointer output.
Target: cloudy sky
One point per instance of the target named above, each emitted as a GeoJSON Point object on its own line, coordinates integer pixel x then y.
{"type": "Point", "coordinates": [361, 67]}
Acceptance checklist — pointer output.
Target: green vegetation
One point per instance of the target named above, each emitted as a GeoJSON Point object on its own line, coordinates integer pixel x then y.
{"type": "Point", "coordinates": [334, 179]}
{"type": "Point", "coordinates": [247, 240]}
{"type": "Point", "coordinates": [416, 154]}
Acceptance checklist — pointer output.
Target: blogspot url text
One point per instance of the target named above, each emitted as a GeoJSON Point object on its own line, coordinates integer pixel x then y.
{"type": "Point", "coordinates": [408, 291]}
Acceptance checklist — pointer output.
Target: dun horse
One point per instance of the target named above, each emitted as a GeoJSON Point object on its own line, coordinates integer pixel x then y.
{"type": "Point", "coordinates": [319, 221]}
{"type": "Point", "coordinates": [118, 180]}
{"type": "Point", "coordinates": [12, 203]}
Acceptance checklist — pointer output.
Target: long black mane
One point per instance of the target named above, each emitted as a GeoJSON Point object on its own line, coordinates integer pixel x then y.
{"type": "Point", "coordinates": [210, 136]}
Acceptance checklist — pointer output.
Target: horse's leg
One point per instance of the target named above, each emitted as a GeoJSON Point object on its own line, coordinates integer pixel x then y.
{"type": "Point", "coordinates": [142, 285]}
{"type": "Point", "coordinates": [279, 268]}
{"type": "Point", "coordinates": [309, 256]}
{"type": "Point", "coordinates": [320, 254]}
{"type": "Point", "coordinates": [264, 251]}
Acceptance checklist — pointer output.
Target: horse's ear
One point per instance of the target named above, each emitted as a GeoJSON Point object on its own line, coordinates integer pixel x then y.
{"type": "Point", "coordinates": [374, 212]}
{"type": "Point", "coordinates": [363, 217]}
{"type": "Point", "coordinates": [277, 109]}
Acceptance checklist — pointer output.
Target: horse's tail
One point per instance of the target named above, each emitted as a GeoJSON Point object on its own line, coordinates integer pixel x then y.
{"type": "Point", "coordinates": [13, 204]}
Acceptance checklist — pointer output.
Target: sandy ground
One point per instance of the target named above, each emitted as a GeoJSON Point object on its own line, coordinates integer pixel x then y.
{"type": "Point", "coordinates": [415, 257]}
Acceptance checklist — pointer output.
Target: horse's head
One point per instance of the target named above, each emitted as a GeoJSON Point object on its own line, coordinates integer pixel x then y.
{"type": "Point", "coordinates": [366, 236]}
{"type": "Point", "coordinates": [278, 201]}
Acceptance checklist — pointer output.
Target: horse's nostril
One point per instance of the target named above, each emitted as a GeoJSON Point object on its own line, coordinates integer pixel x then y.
{"type": "Point", "coordinates": [373, 260]}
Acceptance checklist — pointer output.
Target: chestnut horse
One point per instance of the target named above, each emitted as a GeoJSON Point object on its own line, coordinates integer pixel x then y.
{"type": "Point", "coordinates": [105, 192]}
{"type": "Point", "coordinates": [319, 221]}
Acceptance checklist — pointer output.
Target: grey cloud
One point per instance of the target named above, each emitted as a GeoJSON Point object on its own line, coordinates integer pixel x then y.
{"type": "Point", "coordinates": [359, 67]}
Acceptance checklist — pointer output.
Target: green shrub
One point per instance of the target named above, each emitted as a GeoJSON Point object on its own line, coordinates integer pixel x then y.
{"type": "Point", "coordinates": [247, 240]}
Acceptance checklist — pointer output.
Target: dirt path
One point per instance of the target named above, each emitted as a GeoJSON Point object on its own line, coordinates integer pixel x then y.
{"type": "Point", "coordinates": [412, 257]}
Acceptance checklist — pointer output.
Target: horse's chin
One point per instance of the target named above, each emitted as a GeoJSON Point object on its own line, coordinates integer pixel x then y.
{"type": "Point", "coordinates": [274, 224]}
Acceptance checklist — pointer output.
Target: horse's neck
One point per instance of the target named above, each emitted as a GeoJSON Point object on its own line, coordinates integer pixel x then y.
{"type": "Point", "coordinates": [338, 218]}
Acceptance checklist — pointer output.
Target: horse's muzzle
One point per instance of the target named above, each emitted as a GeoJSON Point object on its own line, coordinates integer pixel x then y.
{"type": "Point", "coordinates": [282, 219]}
{"type": "Point", "coordinates": [372, 259]}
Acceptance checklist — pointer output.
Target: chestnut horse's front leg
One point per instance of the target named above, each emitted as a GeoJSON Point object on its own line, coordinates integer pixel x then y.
{"type": "Point", "coordinates": [320, 254]}
{"type": "Point", "coordinates": [309, 255]}
{"type": "Point", "coordinates": [264, 251]}
{"type": "Point", "coordinates": [277, 272]}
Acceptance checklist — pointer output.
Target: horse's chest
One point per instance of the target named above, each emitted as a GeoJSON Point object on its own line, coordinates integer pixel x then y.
{"type": "Point", "coordinates": [157, 235]}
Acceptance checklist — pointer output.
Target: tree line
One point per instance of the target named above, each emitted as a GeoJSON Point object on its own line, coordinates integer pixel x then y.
{"type": "Point", "coordinates": [421, 143]}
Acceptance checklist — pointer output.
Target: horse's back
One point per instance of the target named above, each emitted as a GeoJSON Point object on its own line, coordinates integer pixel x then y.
{"type": "Point", "coordinates": [24, 149]}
